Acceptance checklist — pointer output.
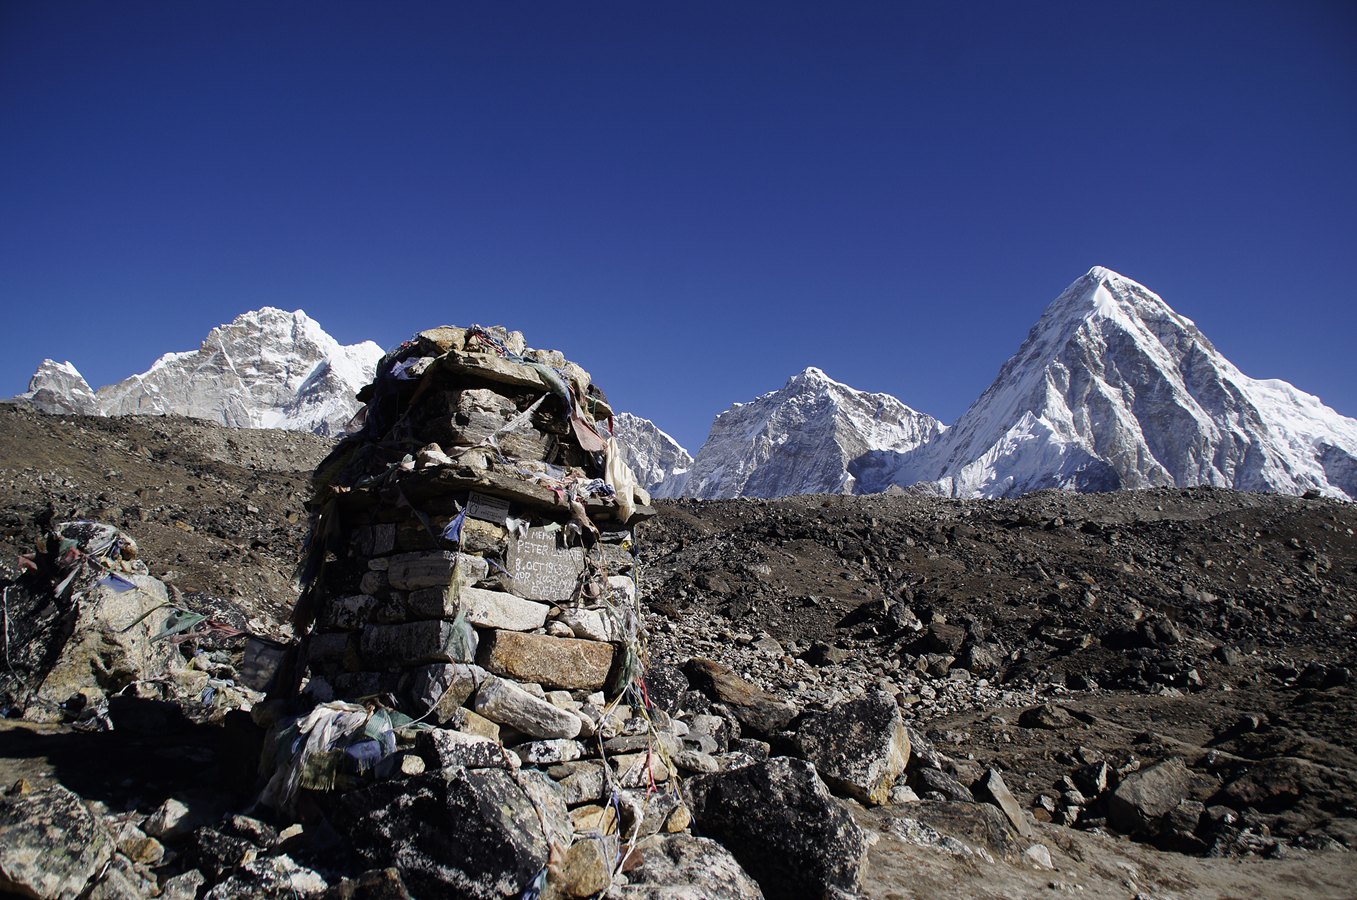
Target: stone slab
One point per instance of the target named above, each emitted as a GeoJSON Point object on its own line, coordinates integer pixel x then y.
{"type": "Point", "coordinates": [505, 703]}
{"type": "Point", "coordinates": [409, 644]}
{"type": "Point", "coordinates": [542, 568]}
{"type": "Point", "coordinates": [414, 571]}
{"type": "Point", "coordinates": [552, 662]}
{"type": "Point", "coordinates": [484, 609]}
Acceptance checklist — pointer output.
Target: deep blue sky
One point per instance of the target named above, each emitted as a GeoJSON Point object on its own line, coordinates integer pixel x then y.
{"type": "Point", "coordinates": [693, 200]}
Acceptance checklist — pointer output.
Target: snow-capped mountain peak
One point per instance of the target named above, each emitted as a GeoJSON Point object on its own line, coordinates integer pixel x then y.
{"type": "Point", "coordinates": [267, 368]}
{"type": "Point", "coordinates": [661, 464]}
{"type": "Point", "coordinates": [1114, 389]}
{"type": "Point", "coordinates": [801, 439]}
{"type": "Point", "coordinates": [59, 388]}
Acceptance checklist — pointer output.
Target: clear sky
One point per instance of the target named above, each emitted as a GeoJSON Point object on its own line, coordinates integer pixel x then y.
{"type": "Point", "coordinates": [693, 200]}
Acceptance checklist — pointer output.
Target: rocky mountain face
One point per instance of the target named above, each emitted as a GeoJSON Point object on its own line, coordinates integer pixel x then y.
{"type": "Point", "coordinates": [265, 369]}
{"type": "Point", "coordinates": [59, 388]}
{"type": "Point", "coordinates": [1114, 390]}
{"type": "Point", "coordinates": [1111, 390]}
{"type": "Point", "coordinates": [802, 439]}
{"type": "Point", "coordinates": [660, 462]}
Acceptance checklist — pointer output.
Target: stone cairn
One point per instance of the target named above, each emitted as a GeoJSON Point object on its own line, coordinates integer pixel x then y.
{"type": "Point", "coordinates": [471, 588]}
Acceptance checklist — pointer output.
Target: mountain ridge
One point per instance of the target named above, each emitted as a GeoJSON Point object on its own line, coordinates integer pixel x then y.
{"type": "Point", "coordinates": [1114, 389]}
{"type": "Point", "coordinates": [1111, 389]}
{"type": "Point", "coordinates": [266, 368]}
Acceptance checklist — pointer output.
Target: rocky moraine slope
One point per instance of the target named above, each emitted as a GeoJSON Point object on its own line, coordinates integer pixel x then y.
{"type": "Point", "coordinates": [1144, 692]}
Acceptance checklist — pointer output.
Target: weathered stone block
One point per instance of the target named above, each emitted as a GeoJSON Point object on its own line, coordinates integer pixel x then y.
{"type": "Point", "coordinates": [580, 782]}
{"type": "Point", "coordinates": [414, 571]}
{"type": "Point", "coordinates": [484, 609]}
{"type": "Point", "coordinates": [544, 753]}
{"type": "Point", "coordinates": [508, 704]}
{"type": "Point", "coordinates": [409, 644]}
{"type": "Point", "coordinates": [783, 826]}
{"type": "Point", "coordinates": [592, 624]}
{"type": "Point", "coordinates": [373, 582]}
{"type": "Point", "coordinates": [348, 613]}
{"type": "Point", "coordinates": [638, 770]}
{"type": "Point", "coordinates": [593, 818]}
{"type": "Point", "coordinates": [549, 661]}
{"type": "Point", "coordinates": [586, 871]}
{"type": "Point", "coordinates": [374, 540]}
{"type": "Point", "coordinates": [365, 684]}
{"type": "Point", "coordinates": [443, 687]}
{"type": "Point", "coordinates": [859, 747]}
{"type": "Point", "coordinates": [331, 648]}
{"type": "Point", "coordinates": [445, 749]}
{"type": "Point", "coordinates": [469, 722]}
{"type": "Point", "coordinates": [471, 417]}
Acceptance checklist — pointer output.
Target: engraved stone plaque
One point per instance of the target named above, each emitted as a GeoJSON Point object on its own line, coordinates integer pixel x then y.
{"type": "Point", "coordinates": [487, 508]}
{"type": "Point", "coordinates": [542, 569]}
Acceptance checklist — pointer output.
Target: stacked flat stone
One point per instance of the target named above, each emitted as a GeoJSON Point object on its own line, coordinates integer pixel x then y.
{"type": "Point", "coordinates": [477, 535]}
{"type": "Point", "coordinates": [473, 568]}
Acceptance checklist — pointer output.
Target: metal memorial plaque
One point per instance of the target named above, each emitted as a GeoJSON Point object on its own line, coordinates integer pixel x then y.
{"type": "Point", "coordinates": [541, 568]}
{"type": "Point", "coordinates": [487, 509]}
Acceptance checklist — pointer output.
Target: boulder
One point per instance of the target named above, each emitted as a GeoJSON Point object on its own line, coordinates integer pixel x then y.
{"type": "Point", "coordinates": [1146, 796]}
{"type": "Point", "coordinates": [991, 789]}
{"type": "Point", "coordinates": [111, 643]}
{"type": "Point", "coordinates": [505, 703]}
{"type": "Point", "coordinates": [51, 845]}
{"type": "Point", "coordinates": [1273, 785]}
{"type": "Point", "coordinates": [751, 705]}
{"type": "Point", "coordinates": [935, 781]}
{"type": "Point", "coordinates": [784, 827]}
{"type": "Point", "coordinates": [444, 749]}
{"type": "Point", "coordinates": [683, 867]}
{"type": "Point", "coordinates": [859, 747]}
{"type": "Point", "coordinates": [473, 833]}
{"type": "Point", "coordinates": [1048, 716]}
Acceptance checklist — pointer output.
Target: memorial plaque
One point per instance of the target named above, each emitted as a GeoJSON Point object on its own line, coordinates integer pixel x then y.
{"type": "Point", "coordinates": [541, 568]}
{"type": "Point", "coordinates": [487, 509]}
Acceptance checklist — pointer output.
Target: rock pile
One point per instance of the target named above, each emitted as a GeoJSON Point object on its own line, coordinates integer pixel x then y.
{"type": "Point", "coordinates": [88, 633]}
{"type": "Point", "coordinates": [479, 525]}
{"type": "Point", "coordinates": [475, 630]}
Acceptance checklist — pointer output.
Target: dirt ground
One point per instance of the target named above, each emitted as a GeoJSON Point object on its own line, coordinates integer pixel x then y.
{"type": "Point", "coordinates": [1202, 624]}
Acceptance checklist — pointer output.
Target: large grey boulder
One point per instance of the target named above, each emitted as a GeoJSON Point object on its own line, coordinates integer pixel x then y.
{"type": "Point", "coordinates": [111, 644]}
{"type": "Point", "coordinates": [470, 833]}
{"type": "Point", "coordinates": [859, 748]}
{"type": "Point", "coordinates": [1145, 797]}
{"type": "Point", "coordinates": [683, 867]}
{"type": "Point", "coordinates": [51, 845]}
{"type": "Point", "coordinates": [782, 825]}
